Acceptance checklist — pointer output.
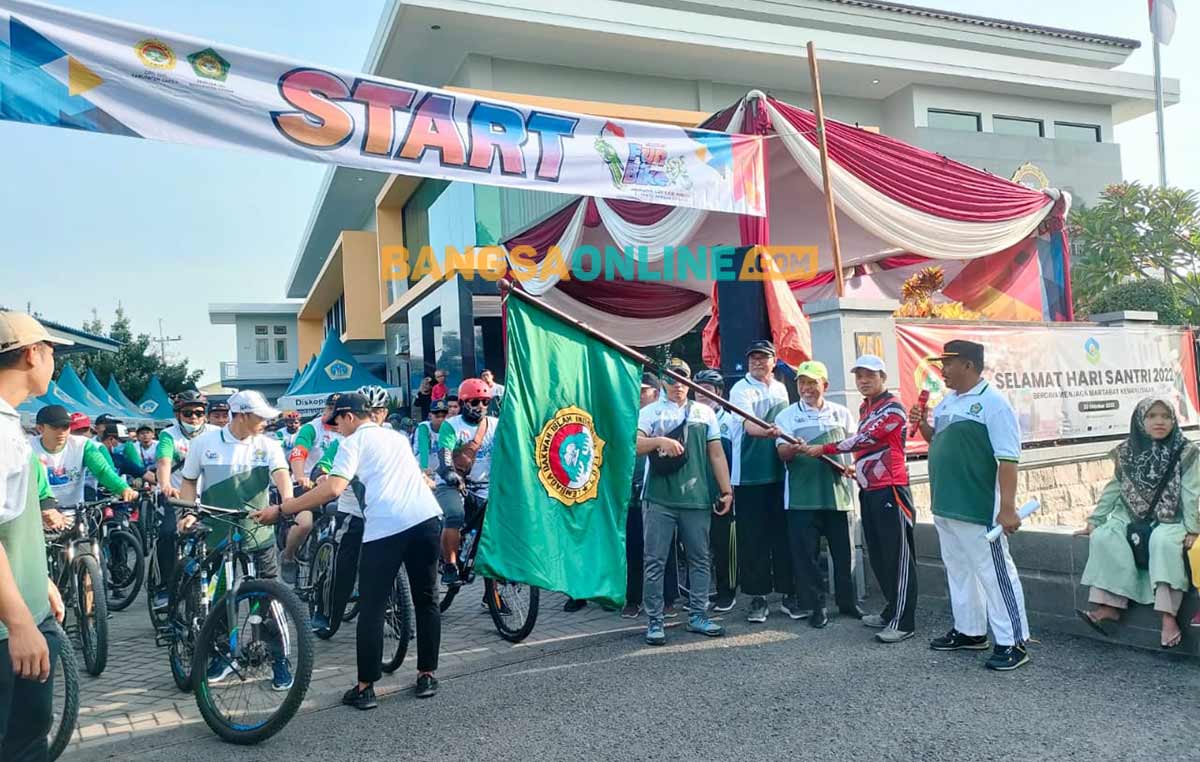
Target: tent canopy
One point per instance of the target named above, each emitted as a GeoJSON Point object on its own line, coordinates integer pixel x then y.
{"type": "Point", "coordinates": [334, 369]}
{"type": "Point", "coordinates": [118, 395]}
{"type": "Point", "coordinates": [156, 403]}
{"type": "Point", "coordinates": [898, 206]}
{"type": "Point", "coordinates": [92, 404]}
{"type": "Point", "coordinates": [129, 415]}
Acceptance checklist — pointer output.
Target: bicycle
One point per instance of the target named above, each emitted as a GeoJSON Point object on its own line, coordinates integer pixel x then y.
{"type": "Point", "coordinates": [66, 699]}
{"type": "Point", "coordinates": [72, 557]}
{"type": "Point", "coordinates": [513, 606]}
{"type": "Point", "coordinates": [253, 625]}
{"type": "Point", "coordinates": [122, 557]}
{"type": "Point", "coordinates": [156, 583]}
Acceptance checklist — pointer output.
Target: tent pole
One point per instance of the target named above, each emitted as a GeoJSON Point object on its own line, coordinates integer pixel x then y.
{"type": "Point", "coordinates": [830, 209]}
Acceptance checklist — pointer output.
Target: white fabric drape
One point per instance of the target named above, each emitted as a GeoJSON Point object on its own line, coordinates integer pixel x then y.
{"type": "Point", "coordinates": [676, 229]}
{"type": "Point", "coordinates": [904, 227]}
{"type": "Point", "coordinates": [632, 331]}
{"type": "Point", "coordinates": [531, 276]}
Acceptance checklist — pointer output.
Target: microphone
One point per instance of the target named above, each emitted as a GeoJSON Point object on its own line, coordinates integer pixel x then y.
{"type": "Point", "coordinates": [922, 401]}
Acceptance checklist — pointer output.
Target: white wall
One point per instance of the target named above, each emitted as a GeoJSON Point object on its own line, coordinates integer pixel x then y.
{"type": "Point", "coordinates": [248, 366]}
{"type": "Point", "coordinates": [989, 104]}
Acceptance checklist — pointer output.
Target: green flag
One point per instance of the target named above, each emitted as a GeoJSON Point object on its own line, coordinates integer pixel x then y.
{"type": "Point", "coordinates": [563, 460]}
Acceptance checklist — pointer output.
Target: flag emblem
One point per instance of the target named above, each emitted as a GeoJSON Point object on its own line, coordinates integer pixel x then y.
{"type": "Point", "coordinates": [569, 454]}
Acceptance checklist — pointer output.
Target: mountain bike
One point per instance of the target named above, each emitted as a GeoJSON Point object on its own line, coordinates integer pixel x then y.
{"type": "Point", "coordinates": [240, 630]}
{"type": "Point", "coordinates": [156, 580]}
{"type": "Point", "coordinates": [513, 605]}
{"type": "Point", "coordinates": [66, 699]}
{"type": "Point", "coordinates": [122, 557]}
{"type": "Point", "coordinates": [72, 556]}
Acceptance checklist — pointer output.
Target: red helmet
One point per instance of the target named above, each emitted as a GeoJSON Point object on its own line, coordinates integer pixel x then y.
{"type": "Point", "coordinates": [290, 414]}
{"type": "Point", "coordinates": [80, 421]}
{"type": "Point", "coordinates": [474, 389]}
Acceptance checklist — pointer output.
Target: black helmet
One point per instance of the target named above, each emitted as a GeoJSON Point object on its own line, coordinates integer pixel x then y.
{"type": "Point", "coordinates": [710, 376]}
{"type": "Point", "coordinates": [189, 398]}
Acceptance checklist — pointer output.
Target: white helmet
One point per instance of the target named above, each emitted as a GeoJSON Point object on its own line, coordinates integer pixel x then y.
{"type": "Point", "coordinates": [376, 396]}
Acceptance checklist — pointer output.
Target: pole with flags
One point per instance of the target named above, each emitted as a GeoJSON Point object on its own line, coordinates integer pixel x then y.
{"type": "Point", "coordinates": [1162, 26]}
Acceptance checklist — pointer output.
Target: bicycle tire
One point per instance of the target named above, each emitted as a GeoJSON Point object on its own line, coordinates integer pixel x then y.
{"type": "Point", "coordinates": [214, 626]}
{"type": "Point", "coordinates": [513, 632]}
{"type": "Point", "coordinates": [181, 616]}
{"type": "Point", "coordinates": [60, 736]}
{"type": "Point", "coordinates": [398, 622]}
{"type": "Point", "coordinates": [117, 574]}
{"type": "Point", "coordinates": [320, 599]}
{"type": "Point", "coordinates": [448, 597]}
{"type": "Point", "coordinates": [154, 585]}
{"type": "Point", "coordinates": [93, 625]}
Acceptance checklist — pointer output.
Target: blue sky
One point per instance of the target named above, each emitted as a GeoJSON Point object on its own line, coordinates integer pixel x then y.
{"type": "Point", "coordinates": [166, 229]}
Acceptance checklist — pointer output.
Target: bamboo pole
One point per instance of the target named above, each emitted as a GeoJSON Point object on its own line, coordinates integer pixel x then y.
{"type": "Point", "coordinates": [506, 289]}
{"type": "Point", "coordinates": [830, 208]}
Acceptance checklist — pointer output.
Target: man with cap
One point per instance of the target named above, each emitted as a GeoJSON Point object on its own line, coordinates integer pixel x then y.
{"type": "Point", "coordinates": [113, 437]}
{"type": "Point", "coordinates": [683, 442]}
{"type": "Point", "coordinates": [218, 413]}
{"type": "Point", "coordinates": [974, 448]}
{"type": "Point", "coordinates": [29, 601]}
{"type": "Point", "coordinates": [816, 495]}
{"type": "Point", "coordinates": [231, 467]}
{"type": "Point", "coordinates": [884, 500]}
{"type": "Point", "coordinates": [426, 437]}
{"type": "Point", "coordinates": [141, 451]}
{"type": "Point", "coordinates": [721, 533]}
{"type": "Point", "coordinates": [68, 458]}
{"type": "Point", "coordinates": [402, 525]}
{"type": "Point", "coordinates": [764, 557]}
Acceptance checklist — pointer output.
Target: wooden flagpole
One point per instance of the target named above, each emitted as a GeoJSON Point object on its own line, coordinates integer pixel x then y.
{"type": "Point", "coordinates": [507, 290]}
{"type": "Point", "coordinates": [830, 208]}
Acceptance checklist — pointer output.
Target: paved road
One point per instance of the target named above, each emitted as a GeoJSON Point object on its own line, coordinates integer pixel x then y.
{"type": "Point", "coordinates": [774, 691]}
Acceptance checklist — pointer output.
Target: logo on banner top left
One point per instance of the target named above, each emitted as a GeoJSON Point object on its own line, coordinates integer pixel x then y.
{"type": "Point", "coordinates": [155, 54]}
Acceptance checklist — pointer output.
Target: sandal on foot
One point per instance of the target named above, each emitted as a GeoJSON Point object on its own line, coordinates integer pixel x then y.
{"type": "Point", "coordinates": [1095, 624]}
{"type": "Point", "coordinates": [1174, 644]}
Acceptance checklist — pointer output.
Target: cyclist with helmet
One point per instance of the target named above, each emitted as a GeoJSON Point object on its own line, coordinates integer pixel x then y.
{"type": "Point", "coordinates": [467, 438]}
{"type": "Point", "coordinates": [287, 434]}
{"type": "Point", "coordinates": [173, 443]}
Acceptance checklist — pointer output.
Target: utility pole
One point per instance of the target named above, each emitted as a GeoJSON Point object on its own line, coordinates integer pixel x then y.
{"type": "Point", "coordinates": [163, 340]}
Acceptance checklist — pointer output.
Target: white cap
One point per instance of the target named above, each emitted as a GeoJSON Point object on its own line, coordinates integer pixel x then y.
{"type": "Point", "coordinates": [254, 402]}
{"type": "Point", "coordinates": [869, 362]}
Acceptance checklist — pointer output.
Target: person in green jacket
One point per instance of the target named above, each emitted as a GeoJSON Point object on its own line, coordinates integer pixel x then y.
{"type": "Point", "coordinates": [1155, 458]}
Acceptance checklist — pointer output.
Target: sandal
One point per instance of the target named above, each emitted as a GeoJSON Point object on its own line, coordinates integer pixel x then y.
{"type": "Point", "coordinates": [1168, 646]}
{"type": "Point", "coordinates": [1095, 624]}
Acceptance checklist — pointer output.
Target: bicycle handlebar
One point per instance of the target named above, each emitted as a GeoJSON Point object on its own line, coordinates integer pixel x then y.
{"type": "Point", "coordinates": [212, 510]}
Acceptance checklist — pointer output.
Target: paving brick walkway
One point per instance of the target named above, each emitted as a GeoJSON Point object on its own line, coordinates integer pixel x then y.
{"type": "Point", "coordinates": [135, 697]}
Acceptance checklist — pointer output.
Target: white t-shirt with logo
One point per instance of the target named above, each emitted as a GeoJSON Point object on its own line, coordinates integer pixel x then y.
{"type": "Point", "coordinates": [456, 432]}
{"type": "Point", "coordinates": [323, 436]}
{"type": "Point", "coordinates": [64, 469]}
{"type": "Point", "coordinates": [395, 495]}
{"type": "Point", "coordinates": [174, 443]}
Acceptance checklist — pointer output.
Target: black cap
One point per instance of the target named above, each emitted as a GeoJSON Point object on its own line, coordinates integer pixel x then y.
{"type": "Point", "coordinates": [144, 427]}
{"type": "Point", "coordinates": [114, 430]}
{"type": "Point", "coordinates": [54, 415]}
{"type": "Point", "coordinates": [961, 348]}
{"type": "Point", "coordinates": [439, 406]}
{"type": "Point", "coordinates": [348, 403]}
{"type": "Point", "coordinates": [762, 345]}
{"type": "Point", "coordinates": [332, 399]}
{"type": "Point", "coordinates": [105, 418]}
{"type": "Point", "coordinates": [218, 406]}
{"type": "Point", "coordinates": [649, 379]}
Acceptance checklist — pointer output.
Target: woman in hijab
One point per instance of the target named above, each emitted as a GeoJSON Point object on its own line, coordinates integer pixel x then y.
{"type": "Point", "coordinates": [1155, 460]}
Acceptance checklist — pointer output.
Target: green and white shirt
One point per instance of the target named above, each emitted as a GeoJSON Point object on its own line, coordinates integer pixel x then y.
{"type": "Point", "coordinates": [20, 520]}
{"type": "Point", "coordinates": [66, 469]}
{"type": "Point", "coordinates": [173, 445]}
{"type": "Point", "coordinates": [456, 432]}
{"type": "Point", "coordinates": [314, 437]}
{"type": "Point", "coordinates": [972, 433]}
{"type": "Point", "coordinates": [811, 485]}
{"type": "Point", "coordinates": [136, 452]}
{"type": "Point", "coordinates": [351, 499]}
{"type": "Point", "coordinates": [427, 445]}
{"type": "Point", "coordinates": [235, 473]}
{"type": "Point", "coordinates": [755, 460]}
{"type": "Point", "coordinates": [687, 487]}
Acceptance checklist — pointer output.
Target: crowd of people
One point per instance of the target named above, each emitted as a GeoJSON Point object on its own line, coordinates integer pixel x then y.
{"type": "Point", "coordinates": [779, 471]}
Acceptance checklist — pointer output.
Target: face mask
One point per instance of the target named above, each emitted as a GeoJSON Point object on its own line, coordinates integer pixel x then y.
{"type": "Point", "coordinates": [189, 428]}
{"type": "Point", "coordinates": [473, 414]}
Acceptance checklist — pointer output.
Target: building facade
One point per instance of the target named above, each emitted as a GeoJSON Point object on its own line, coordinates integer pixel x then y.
{"type": "Point", "coordinates": [267, 346]}
{"type": "Point", "coordinates": [1018, 100]}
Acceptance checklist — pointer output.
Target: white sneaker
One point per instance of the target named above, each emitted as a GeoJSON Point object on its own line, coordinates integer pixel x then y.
{"type": "Point", "coordinates": [875, 621]}
{"type": "Point", "coordinates": [892, 635]}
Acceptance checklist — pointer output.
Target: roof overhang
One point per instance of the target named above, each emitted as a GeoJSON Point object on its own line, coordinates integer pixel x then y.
{"type": "Point", "coordinates": [227, 314]}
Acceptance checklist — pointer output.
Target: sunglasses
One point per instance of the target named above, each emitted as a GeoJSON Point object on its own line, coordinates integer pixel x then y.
{"type": "Point", "coordinates": [191, 413]}
{"type": "Point", "coordinates": [475, 403]}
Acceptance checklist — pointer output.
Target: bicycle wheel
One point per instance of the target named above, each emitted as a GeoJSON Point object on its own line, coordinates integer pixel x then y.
{"type": "Point", "coordinates": [66, 698]}
{"type": "Point", "coordinates": [270, 629]}
{"type": "Point", "coordinates": [320, 597]}
{"type": "Point", "coordinates": [398, 619]}
{"type": "Point", "coordinates": [183, 621]}
{"type": "Point", "coordinates": [125, 564]}
{"type": "Point", "coordinates": [513, 606]}
{"type": "Point", "coordinates": [91, 613]}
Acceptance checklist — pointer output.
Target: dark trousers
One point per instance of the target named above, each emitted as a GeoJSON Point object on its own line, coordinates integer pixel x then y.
{"type": "Point", "coordinates": [27, 706]}
{"type": "Point", "coordinates": [887, 519]}
{"type": "Point", "coordinates": [805, 530]}
{"type": "Point", "coordinates": [418, 548]}
{"type": "Point", "coordinates": [348, 533]}
{"type": "Point", "coordinates": [724, 567]}
{"type": "Point", "coordinates": [164, 546]}
{"type": "Point", "coordinates": [764, 558]}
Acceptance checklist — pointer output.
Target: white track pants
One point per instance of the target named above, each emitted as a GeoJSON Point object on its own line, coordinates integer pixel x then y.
{"type": "Point", "coordinates": [984, 587]}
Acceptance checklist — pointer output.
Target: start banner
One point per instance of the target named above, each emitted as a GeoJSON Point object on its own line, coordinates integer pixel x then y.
{"type": "Point", "coordinates": [66, 69]}
{"type": "Point", "coordinates": [1065, 381]}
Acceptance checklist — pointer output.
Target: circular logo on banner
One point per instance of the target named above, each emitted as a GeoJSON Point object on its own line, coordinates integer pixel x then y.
{"type": "Point", "coordinates": [1092, 348]}
{"type": "Point", "coordinates": [156, 54]}
{"type": "Point", "coordinates": [928, 377]}
{"type": "Point", "coordinates": [569, 455]}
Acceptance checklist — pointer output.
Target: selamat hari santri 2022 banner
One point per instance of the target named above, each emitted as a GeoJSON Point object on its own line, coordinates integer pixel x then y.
{"type": "Point", "coordinates": [1065, 380]}
{"type": "Point", "coordinates": [65, 69]}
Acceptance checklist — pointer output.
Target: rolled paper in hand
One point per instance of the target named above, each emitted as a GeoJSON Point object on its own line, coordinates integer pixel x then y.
{"type": "Point", "coordinates": [1024, 512]}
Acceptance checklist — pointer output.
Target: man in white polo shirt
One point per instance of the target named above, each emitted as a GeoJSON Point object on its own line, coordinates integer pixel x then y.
{"type": "Point", "coordinates": [402, 525]}
{"type": "Point", "coordinates": [974, 447]}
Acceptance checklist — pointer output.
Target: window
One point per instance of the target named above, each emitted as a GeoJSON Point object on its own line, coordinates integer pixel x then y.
{"type": "Point", "coordinates": [262, 351]}
{"type": "Point", "coordinates": [280, 350]}
{"type": "Point", "coordinates": [335, 319]}
{"type": "Point", "coordinates": [279, 330]}
{"type": "Point", "coordinates": [1088, 133]}
{"type": "Point", "coordinates": [1016, 125]}
{"type": "Point", "coordinates": [955, 120]}
{"type": "Point", "coordinates": [260, 330]}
